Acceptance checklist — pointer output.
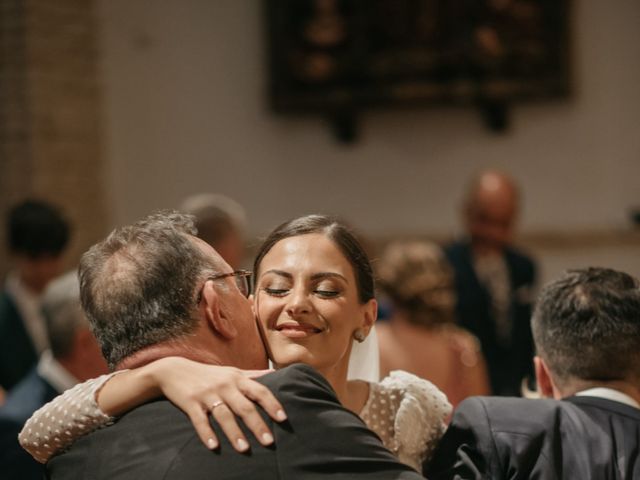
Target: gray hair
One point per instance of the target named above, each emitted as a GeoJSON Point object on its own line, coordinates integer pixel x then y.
{"type": "Point", "coordinates": [62, 313]}
{"type": "Point", "coordinates": [586, 325]}
{"type": "Point", "coordinates": [215, 215]}
{"type": "Point", "coordinates": [138, 286]}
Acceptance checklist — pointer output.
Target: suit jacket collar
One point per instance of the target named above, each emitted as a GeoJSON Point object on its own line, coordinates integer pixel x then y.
{"type": "Point", "coordinates": [605, 404]}
{"type": "Point", "coordinates": [609, 393]}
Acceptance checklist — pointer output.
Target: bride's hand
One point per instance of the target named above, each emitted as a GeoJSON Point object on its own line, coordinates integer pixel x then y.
{"type": "Point", "coordinates": [199, 389]}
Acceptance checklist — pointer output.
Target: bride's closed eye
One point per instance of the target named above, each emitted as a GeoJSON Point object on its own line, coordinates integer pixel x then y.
{"type": "Point", "coordinates": [326, 293]}
{"type": "Point", "coordinates": [276, 290]}
{"type": "Point", "coordinates": [327, 290]}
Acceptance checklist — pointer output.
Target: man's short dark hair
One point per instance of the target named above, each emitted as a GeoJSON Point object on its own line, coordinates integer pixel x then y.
{"type": "Point", "coordinates": [138, 286]}
{"type": "Point", "coordinates": [36, 229]}
{"type": "Point", "coordinates": [586, 325]}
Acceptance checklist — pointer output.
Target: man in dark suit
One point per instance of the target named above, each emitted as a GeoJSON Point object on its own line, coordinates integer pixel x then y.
{"type": "Point", "coordinates": [74, 356]}
{"type": "Point", "coordinates": [494, 282]}
{"type": "Point", "coordinates": [586, 327]}
{"type": "Point", "coordinates": [37, 236]}
{"type": "Point", "coordinates": [153, 290]}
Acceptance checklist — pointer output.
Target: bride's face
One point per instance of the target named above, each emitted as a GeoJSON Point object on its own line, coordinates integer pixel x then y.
{"type": "Point", "coordinates": [307, 300]}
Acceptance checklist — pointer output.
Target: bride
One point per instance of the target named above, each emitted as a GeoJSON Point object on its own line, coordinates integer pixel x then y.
{"type": "Point", "coordinates": [313, 298]}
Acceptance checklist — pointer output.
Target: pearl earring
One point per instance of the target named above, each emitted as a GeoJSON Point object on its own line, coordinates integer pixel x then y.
{"type": "Point", "coordinates": [359, 335]}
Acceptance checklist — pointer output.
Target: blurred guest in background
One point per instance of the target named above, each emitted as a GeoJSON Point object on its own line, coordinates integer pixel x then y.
{"type": "Point", "coordinates": [74, 356]}
{"type": "Point", "coordinates": [494, 282]}
{"type": "Point", "coordinates": [37, 236]}
{"type": "Point", "coordinates": [422, 337]}
{"type": "Point", "coordinates": [221, 222]}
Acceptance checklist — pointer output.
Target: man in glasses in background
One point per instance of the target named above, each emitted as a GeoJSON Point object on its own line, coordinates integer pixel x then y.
{"type": "Point", "coordinates": [153, 290]}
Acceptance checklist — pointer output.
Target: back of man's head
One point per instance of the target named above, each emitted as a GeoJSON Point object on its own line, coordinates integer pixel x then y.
{"type": "Point", "coordinates": [138, 286]}
{"type": "Point", "coordinates": [586, 326]}
{"type": "Point", "coordinates": [62, 313]}
{"type": "Point", "coordinates": [36, 229]}
{"type": "Point", "coordinates": [70, 338]}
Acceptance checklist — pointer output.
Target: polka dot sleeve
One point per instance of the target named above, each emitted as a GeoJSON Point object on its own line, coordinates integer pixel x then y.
{"type": "Point", "coordinates": [408, 414]}
{"type": "Point", "coordinates": [54, 427]}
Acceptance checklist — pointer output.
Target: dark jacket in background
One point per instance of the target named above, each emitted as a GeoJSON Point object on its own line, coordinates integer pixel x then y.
{"type": "Point", "coordinates": [320, 439]}
{"type": "Point", "coordinates": [581, 438]}
{"type": "Point", "coordinates": [24, 399]}
{"type": "Point", "coordinates": [17, 353]}
{"type": "Point", "coordinates": [507, 363]}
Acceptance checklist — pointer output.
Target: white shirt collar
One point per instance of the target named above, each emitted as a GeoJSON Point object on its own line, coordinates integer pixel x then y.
{"type": "Point", "coordinates": [28, 305]}
{"type": "Point", "coordinates": [609, 394]}
{"type": "Point", "coordinates": [54, 373]}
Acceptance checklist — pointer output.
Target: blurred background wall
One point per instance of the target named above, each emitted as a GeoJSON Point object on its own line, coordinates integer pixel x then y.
{"type": "Point", "coordinates": [183, 109]}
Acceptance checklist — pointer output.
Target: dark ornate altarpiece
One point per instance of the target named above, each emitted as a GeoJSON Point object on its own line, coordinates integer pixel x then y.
{"type": "Point", "coordinates": [338, 57]}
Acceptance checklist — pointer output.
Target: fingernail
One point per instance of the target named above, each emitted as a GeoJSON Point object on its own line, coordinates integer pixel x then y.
{"type": "Point", "coordinates": [267, 439]}
{"type": "Point", "coordinates": [212, 444]}
{"type": "Point", "coordinates": [281, 416]}
{"type": "Point", "coordinates": [242, 444]}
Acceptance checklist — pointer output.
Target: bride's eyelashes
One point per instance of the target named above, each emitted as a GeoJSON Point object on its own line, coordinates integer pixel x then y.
{"type": "Point", "coordinates": [321, 291]}
{"type": "Point", "coordinates": [275, 292]}
{"type": "Point", "coordinates": [325, 293]}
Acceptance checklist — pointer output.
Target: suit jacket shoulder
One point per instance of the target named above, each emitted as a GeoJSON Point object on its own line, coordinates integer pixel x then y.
{"type": "Point", "coordinates": [320, 438]}
{"type": "Point", "coordinates": [497, 438]}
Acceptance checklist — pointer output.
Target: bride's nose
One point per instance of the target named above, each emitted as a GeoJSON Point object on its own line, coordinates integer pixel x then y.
{"type": "Point", "coordinates": [298, 303]}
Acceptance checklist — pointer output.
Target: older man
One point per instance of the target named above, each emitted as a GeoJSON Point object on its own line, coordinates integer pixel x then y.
{"type": "Point", "coordinates": [74, 356]}
{"type": "Point", "coordinates": [494, 281]}
{"type": "Point", "coordinates": [586, 328]}
{"type": "Point", "coordinates": [153, 290]}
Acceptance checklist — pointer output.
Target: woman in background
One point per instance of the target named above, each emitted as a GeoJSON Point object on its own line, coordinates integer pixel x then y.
{"type": "Point", "coordinates": [421, 336]}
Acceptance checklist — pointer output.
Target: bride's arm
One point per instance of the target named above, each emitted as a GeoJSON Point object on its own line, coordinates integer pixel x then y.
{"type": "Point", "coordinates": [192, 386]}
{"type": "Point", "coordinates": [198, 389]}
{"type": "Point", "coordinates": [57, 424]}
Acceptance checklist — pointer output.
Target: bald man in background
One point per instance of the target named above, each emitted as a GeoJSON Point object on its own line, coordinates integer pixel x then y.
{"type": "Point", "coordinates": [494, 281]}
{"type": "Point", "coordinates": [221, 222]}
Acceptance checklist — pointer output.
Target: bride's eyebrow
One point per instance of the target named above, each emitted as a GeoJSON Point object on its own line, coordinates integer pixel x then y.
{"type": "Point", "coordinates": [315, 276]}
{"type": "Point", "coordinates": [322, 275]}
{"type": "Point", "coordinates": [280, 273]}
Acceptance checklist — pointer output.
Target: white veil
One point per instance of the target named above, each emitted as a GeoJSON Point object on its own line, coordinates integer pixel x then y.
{"type": "Point", "coordinates": [364, 363]}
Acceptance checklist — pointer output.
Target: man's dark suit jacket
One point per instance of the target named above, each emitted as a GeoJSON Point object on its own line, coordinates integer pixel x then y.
{"type": "Point", "coordinates": [581, 438]}
{"type": "Point", "coordinates": [17, 353]}
{"type": "Point", "coordinates": [24, 399]}
{"type": "Point", "coordinates": [320, 439]}
{"type": "Point", "coordinates": [508, 363]}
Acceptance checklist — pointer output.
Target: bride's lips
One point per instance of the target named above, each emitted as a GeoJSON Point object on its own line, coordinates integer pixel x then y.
{"type": "Point", "coordinates": [297, 330]}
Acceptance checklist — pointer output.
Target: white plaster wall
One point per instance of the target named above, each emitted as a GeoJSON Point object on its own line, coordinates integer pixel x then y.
{"type": "Point", "coordinates": [186, 112]}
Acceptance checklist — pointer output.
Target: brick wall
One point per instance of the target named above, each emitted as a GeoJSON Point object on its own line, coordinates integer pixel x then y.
{"type": "Point", "coordinates": [50, 125]}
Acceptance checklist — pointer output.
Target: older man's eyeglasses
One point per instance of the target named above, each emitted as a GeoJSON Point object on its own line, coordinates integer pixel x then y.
{"type": "Point", "coordinates": [241, 277]}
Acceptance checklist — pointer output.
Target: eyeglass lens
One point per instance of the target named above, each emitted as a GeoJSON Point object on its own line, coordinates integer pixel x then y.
{"type": "Point", "coordinates": [242, 282]}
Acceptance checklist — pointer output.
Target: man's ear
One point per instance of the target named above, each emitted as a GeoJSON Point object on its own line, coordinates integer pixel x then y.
{"type": "Point", "coordinates": [543, 377]}
{"type": "Point", "coordinates": [215, 313]}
